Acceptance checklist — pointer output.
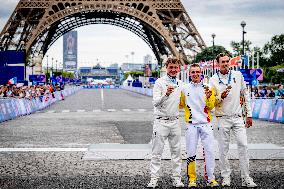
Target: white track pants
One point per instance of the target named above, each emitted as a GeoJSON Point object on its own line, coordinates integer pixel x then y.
{"type": "Point", "coordinates": [205, 133]}
{"type": "Point", "coordinates": [163, 130]}
{"type": "Point", "coordinates": [237, 125]}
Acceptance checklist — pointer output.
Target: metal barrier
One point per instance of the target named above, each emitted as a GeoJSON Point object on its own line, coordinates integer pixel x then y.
{"type": "Point", "coordinates": [11, 108]}
{"type": "Point", "coordinates": [269, 109]}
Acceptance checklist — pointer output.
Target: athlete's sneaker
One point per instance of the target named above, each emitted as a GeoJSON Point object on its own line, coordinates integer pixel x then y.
{"type": "Point", "coordinates": [212, 183]}
{"type": "Point", "coordinates": [177, 183]}
{"type": "Point", "coordinates": [192, 184]}
{"type": "Point", "coordinates": [226, 181]}
{"type": "Point", "coordinates": [153, 183]}
{"type": "Point", "coordinates": [248, 182]}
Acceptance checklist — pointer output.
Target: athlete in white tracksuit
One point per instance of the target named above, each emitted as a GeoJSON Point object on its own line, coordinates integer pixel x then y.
{"type": "Point", "coordinates": [229, 86]}
{"type": "Point", "coordinates": [166, 96]}
{"type": "Point", "coordinates": [197, 101]}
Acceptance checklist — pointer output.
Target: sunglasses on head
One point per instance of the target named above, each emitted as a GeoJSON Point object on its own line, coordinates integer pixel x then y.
{"type": "Point", "coordinates": [222, 55]}
{"type": "Point", "coordinates": [193, 72]}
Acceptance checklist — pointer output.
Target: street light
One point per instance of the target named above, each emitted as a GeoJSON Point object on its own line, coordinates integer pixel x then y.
{"type": "Point", "coordinates": [47, 64]}
{"type": "Point", "coordinates": [213, 36]}
{"type": "Point", "coordinates": [243, 24]}
{"type": "Point", "coordinates": [56, 66]}
{"type": "Point", "coordinates": [52, 65]}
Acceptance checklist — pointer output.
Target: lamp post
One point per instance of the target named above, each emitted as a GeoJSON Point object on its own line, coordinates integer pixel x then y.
{"type": "Point", "coordinates": [47, 64]}
{"type": "Point", "coordinates": [61, 67]}
{"type": "Point", "coordinates": [52, 65]}
{"type": "Point", "coordinates": [213, 36]}
{"type": "Point", "coordinates": [243, 24]}
{"type": "Point", "coordinates": [56, 65]}
{"type": "Point", "coordinates": [47, 76]}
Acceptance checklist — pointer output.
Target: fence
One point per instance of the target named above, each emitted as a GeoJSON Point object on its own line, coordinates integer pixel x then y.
{"type": "Point", "coordinates": [264, 109]}
{"type": "Point", "coordinates": [12, 108]}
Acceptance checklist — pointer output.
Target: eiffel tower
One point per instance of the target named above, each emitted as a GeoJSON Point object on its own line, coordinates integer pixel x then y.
{"type": "Point", "coordinates": [163, 24]}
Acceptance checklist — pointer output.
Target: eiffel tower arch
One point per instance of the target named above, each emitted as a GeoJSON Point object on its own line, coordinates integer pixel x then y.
{"type": "Point", "coordinates": [163, 24]}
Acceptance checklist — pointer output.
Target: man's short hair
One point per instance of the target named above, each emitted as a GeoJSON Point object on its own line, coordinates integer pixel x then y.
{"type": "Point", "coordinates": [222, 55]}
{"type": "Point", "coordinates": [172, 61]}
{"type": "Point", "coordinates": [195, 65]}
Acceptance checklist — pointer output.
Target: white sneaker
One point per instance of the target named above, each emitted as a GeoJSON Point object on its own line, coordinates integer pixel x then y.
{"type": "Point", "coordinates": [192, 184]}
{"type": "Point", "coordinates": [177, 183]}
{"type": "Point", "coordinates": [248, 182]}
{"type": "Point", "coordinates": [153, 183]}
{"type": "Point", "coordinates": [226, 181]}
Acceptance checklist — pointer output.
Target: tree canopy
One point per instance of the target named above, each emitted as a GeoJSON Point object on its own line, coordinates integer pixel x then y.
{"type": "Point", "coordinates": [209, 54]}
{"type": "Point", "coordinates": [271, 56]}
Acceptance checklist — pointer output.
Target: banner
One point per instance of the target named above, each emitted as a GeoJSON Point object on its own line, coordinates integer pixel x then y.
{"type": "Point", "coordinates": [70, 44]}
{"type": "Point", "coordinates": [11, 108]}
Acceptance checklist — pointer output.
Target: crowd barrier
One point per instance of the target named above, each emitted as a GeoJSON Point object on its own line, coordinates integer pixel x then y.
{"type": "Point", "coordinates": [268, 109]}
{"type": "Point", "coordinates": [264, 109]}
{"type": "Point", "coordinates": [145, 91]}
{"type": "Point", "coordinates": [11, 108]}
{"type": "Point", "coordinates": [98, 87]}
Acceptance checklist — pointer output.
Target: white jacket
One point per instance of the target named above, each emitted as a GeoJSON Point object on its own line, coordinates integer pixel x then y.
{"type": "Point", "coordinates": [166, 106]}
{"type": "Point", "coordinates": [230, 105]}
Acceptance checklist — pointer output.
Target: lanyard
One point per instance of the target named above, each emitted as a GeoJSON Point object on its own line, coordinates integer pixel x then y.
{"type": "Point", "coordinates": [229, 79]}
{"type": "Point", "coordinates": [172, 79]}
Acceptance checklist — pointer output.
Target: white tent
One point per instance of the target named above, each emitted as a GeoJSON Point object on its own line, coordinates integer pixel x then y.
{"type": "Point", "coordinates": [128, 80]}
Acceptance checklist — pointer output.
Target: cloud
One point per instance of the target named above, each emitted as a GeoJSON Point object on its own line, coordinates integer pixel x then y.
{"type": "Point", "coordinates": [223, 18]}
{"type": "Point", "coordinates": [7, 7]}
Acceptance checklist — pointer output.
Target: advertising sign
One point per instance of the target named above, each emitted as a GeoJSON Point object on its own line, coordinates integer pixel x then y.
{"type": "Point", "coordinates": [70, 50]}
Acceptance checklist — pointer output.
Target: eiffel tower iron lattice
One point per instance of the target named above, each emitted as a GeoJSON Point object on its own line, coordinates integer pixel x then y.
{"type": "Point", "coordinates": [163, 24]}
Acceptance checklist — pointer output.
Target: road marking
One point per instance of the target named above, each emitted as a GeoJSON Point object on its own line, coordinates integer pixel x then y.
{"type": "Point", "coordinates": [81, 110]}
{"type": "Point", "coordinates": [97, 110]}
{"type": "Point", "coordinates": [65, 111]}
{"type": "Point", "coordinates": [126, 110]}
{"type": "Point", "coordinates": [102, 98]}
{"type": "Point", "coordinates": [141, 110]}
{"type": "Point", "coordinates": [111, 110]}
{"type": "Point", "coordinates": [43, 149]}
{"type": "Point", "coordinates": [51, 111]}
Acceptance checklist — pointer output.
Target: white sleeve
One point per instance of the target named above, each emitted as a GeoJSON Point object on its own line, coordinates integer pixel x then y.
{"type": "Point", "coordinates": [217, 94]}
{"type": "Point", "coordinates": [158, 96]}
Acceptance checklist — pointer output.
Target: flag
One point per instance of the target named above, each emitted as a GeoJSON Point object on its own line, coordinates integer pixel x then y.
{"type": "Point", "coordinates": [245, 60]}
{"type": "Point", "coordinates": [236, 61]}
{"type": "Point", "coordinates": [13, 80]}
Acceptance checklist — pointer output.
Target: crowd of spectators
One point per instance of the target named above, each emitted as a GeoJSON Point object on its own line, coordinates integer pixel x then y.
{"type": "Point", "coordinates": [269, 91]}
{"type": "Point", "coordinates": [28, 92]}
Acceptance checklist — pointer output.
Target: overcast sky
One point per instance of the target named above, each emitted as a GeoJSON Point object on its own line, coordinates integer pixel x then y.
{"type": "Point", "coordinates": [109, 44]}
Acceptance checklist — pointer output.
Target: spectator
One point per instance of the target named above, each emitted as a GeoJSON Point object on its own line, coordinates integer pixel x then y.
{"type": "Point", "coordinates": [280, 92]}
{"type": "Point", "coordinates": [271, 93]}
{"type": "Point", "coordinates": [255, 92]}
{"type": "Point", "coordinates": [263, 92]}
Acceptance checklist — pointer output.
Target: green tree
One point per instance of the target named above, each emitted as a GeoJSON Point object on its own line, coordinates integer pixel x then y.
{"type": "Point", "coordinates": [272, 58]}
{"type": "Point", "coordinates": [274, 50]}
{"type": "Point", "coordinates": [134, 74]}
{"type": "Point", "coordinates": [155, 73]}
{"type": "Point", "coordinates": [238, 47]}
{"type": "Point", "coordinates": [208, 54]}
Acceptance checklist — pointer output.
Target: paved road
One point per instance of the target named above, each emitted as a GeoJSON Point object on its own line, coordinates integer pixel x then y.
{"type": "Point", "coordinates": [102, 116]}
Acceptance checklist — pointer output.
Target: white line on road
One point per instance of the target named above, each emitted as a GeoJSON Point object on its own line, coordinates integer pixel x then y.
{"type": "Point", "coordinates": [141, 110]}
{"type": "Point", "coordinates": [65, 111]}
{"type": "Point", "coordinates": [51, 111]}
{"type": "Point", "coordinates": [102, 98]}
{"type": "Point", "coordinates": [97, 110]}
{"type": "Point", "coordinates": [81, 110]}
{"type": "Point", "coordinates": [43, 149]}
{"type": "Point", "coordinates": [126, 110]}
{"type": "Point", "coordinates": [111, 110]}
